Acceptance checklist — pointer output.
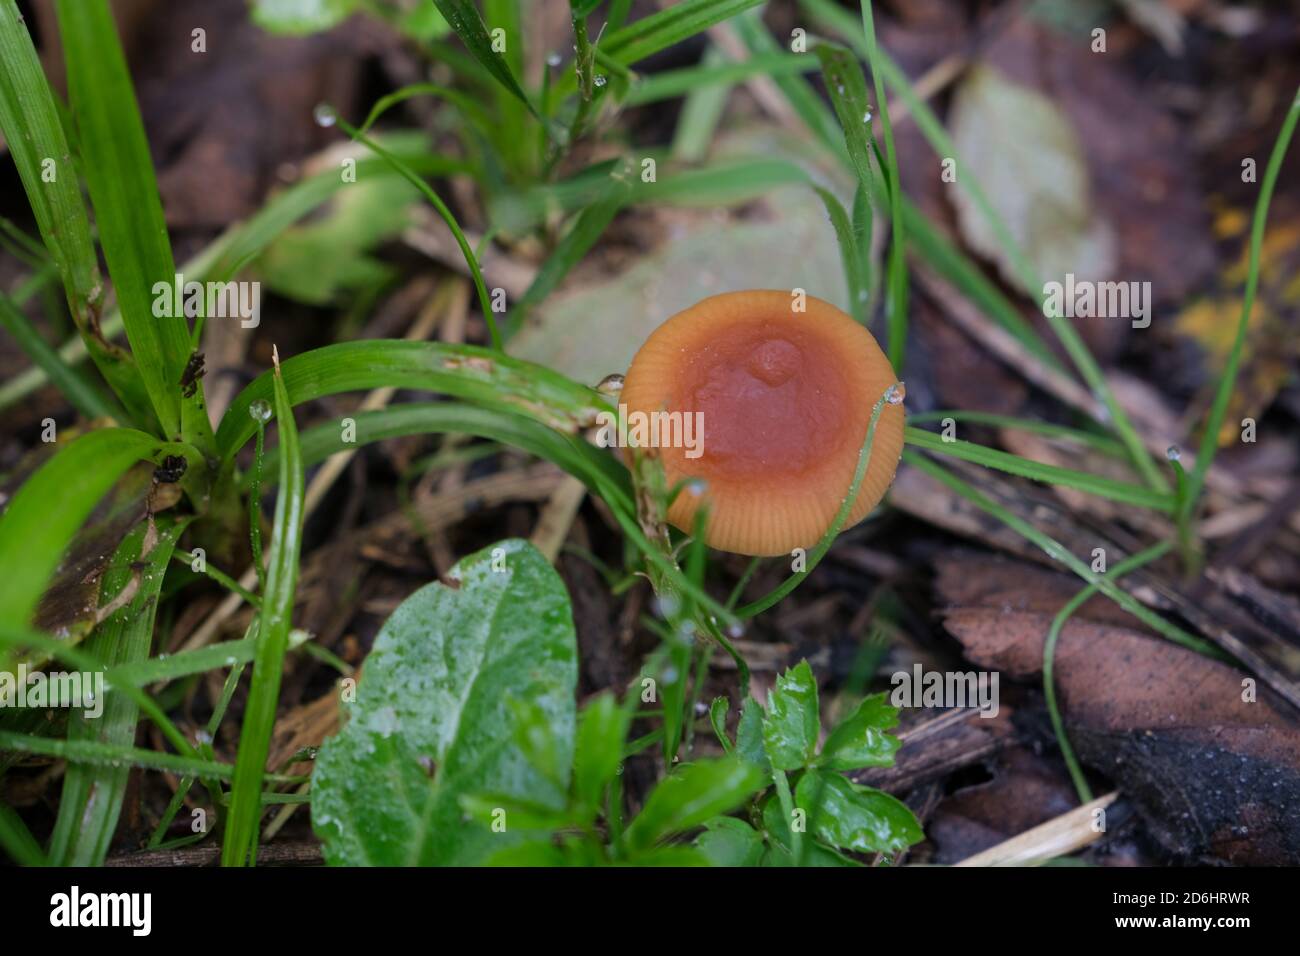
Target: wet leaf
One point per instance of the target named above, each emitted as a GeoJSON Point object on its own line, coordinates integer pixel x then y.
{"type": "Point", "coordinates": [690, 795]}
{"type": "Point", "coordinates": [862, 739]}
{"type": "Point", "coordinates": [855, 818]}
{"type": "Point", "coordinates": [792, 724]}
{"type": "Point", "coordinates": [433, 718]}
{"type": "Point", "coordinates": [727, 841]}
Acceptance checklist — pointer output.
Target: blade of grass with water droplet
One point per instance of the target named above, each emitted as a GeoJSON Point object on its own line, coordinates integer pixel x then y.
{"type": "Point", "coordinates": [239, 846]}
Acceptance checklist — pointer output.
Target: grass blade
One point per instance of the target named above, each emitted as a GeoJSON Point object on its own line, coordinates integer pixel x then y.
{"type": "Point", "coordinates": [942, 144]}
{"type": "Point", "coordinates": [464, 18]}
{"type": "Point", "coordinates": [1214, 422]}
{"type": "Point", "coordinates": [1049, 660]}
{"type": "Point", "coordinates": [239, 846]}
{"type": "Point", "coordinates": [896, 298]}
{"type": "Point", "coordinates": [1121, 491]}
{"type": "Point", "coordinates": [119, 175]}
{"type": "Point", "coordinates": [85, 397]}
{"type": "Point", "coordinates": [92, 795]}
{"type": "Point", "coordinates": [1058, 552]}
{"type": "Point", "coordinates": [660, 30]}
{"type": "Point", "coordinates": [35, 137]}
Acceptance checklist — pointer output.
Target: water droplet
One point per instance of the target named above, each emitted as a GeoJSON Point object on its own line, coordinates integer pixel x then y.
{"type": "Point", "coordinates": [866, 117]}
{"type": "Point", "coordinates": [736, 631]}
{"type": "Point", "coordinates": [1174, 453]}
{"type": "Point", "coordinates": [610, 385]}
{"type": "Point", "coordinates": [260, 411]}
{"type": "Point", "coordinates": [600, 79]}
{"type": "Point", "coordinates": [669, 605]}
{"type": "Point", "coordinates": [553, 59]}
{"type": "Point", "coordinates": [324, 115]}
{"type": "Point", "coordinates": [896, 393]}
{"type": "Point", "coordinates": [697, 488]}
{"type": "Point", "coordinates": [203, 737]}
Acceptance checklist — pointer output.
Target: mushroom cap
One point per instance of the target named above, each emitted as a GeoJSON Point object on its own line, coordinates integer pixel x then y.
{"type": "Point", "coordinates": [785, 399]}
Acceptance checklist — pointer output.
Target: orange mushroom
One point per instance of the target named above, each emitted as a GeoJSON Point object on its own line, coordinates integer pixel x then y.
{"type": "Point", "coordinates": [783, 398]}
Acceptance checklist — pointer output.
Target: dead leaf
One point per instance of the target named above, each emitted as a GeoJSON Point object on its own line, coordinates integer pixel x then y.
{"type": "Point", "coordinates": [1215, 773]}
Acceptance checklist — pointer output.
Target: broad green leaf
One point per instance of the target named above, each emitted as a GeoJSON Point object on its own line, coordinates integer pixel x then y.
{"type": "Point", "coordinates": [792, 723]}
{"type": "Point", "coordinates": [295, 17]}
{"type": "Point", "coordinates": [1015, 143]}
{"type": "Point", "coordinates": [779, 853]}
{"type": "Point", "coordinates": [432, 721]}
{"type": "Point", "coordinates": [855, 818]}
{"type": "Point", "coordinates": [91, 800]}
{"type": "Point", "coordinates": [54, 502]}
{"type": "Point", "coordinates": [35, 138]}
{"type": "Point", "coordinates": [598, 754]}
{"type": "Point", "coordinates": [239, 846]}
{"type": "Point", "coordinates": [690, 795]}
{"type": "Point", "coordinates": [727, 841]}
{"type": "Point", "coordinates": [862, 739]}
{"type": "Point", "coordinates": [128, 211]}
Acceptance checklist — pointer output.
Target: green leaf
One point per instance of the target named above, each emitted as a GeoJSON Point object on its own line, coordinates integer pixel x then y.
{"type": "Point", "coordinates": [779, 851]}
{"type": "Point", "coordinates": [540, 742]}
{"type": "Point", "coordinates": [432, 721]}
{"type": "Point", "coordinates": [464, 18]}
{"type": "Point", "coordinates": [582, 8]}
{"type": "Point", "coordinates": [128, 211]}
{"type": "Point", "coordinates": [660, 30]}
{"type": "Point", "coordinates": [690, 795]}
{"type": "Point", "coordinates": [84, 396]}
{"type": "Point", "coordinates": [792, 723]}
{"type": "Point", "coordinates": [465, 371]}
{"type": "Point", "coordinates": [727, 841]}
{"type": "Point", "coordinates": [749, 736]}
{"type": "Point", "coordinates": [848, 94]}
{"type": "Point", "coordinates": [239, 846]}
{"type": "Point", "coordinates": [861, 740]}
{"type": "Point", "coordinates": [92, 795]}
{"type": "Point", "coordinates": [852, 255]}
{"type": "Point", "coordinates": [598, 753]}
{"type": "Point", "coordinates": [718, 719]}
{"type": "Point", "coordinates": [1103, 487]}
{"type": "Point", "coordinates": [855, 818]}
{"type": "Point", "coordinates": [295, 17]}
{"type": "Point", "coordinates": [55, 502]}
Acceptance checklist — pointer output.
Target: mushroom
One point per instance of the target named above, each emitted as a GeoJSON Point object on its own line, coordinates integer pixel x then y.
{"type": "Point", "coordinates": [784, 399]}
